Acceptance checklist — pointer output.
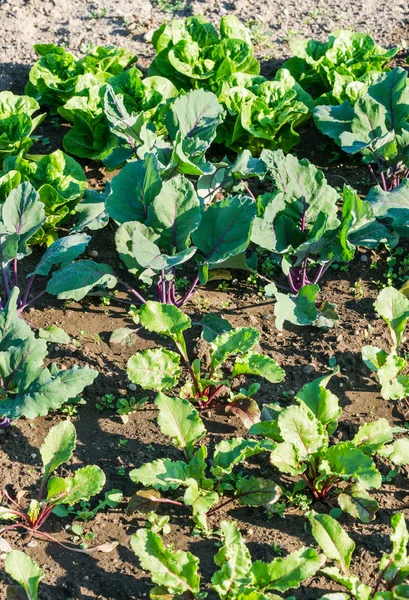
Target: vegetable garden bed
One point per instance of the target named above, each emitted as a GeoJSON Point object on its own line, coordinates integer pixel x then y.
{"type": "Point", "coordinates": [204, 297]}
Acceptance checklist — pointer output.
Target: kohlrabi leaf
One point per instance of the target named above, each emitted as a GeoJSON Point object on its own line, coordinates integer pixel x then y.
{"type": "Point", "coordinates": [23, 213]}
{"type": "Point", "coordinates": [234, 562]}
{"type": "Point", "coordinates": [77, 279]}
{"type": "Point", "coordinates": [161, 474]}
{"type": "Point", "coordinates": [156, 369]}
{"type": "Point", "coordinates": [258, 364]}
{"type": "Point", "coordinates": [333, 540]}
{"type": "Point", "coordinates": [391, 207]}
{"type": "Point", "coordinates": [57, 447]}
{"type": "Point", "coordinates": [62, 251]}
{"type": "Point", "coordinates": [91, 211]}
{"type": "Point", "coordinates": [321, 401]}
{"type": "Point", "coordinates": [299, 309]}
{"type": "Point", "coordinates": [179, 420]}
{"type": "Point", "coordinates": [25, 571]}
{"type": "Point", "coordinates": [54, 334]}
{"type": "Point", "coordinates": [212, 326]}
{"type": "Point", "coordinates": [283, 574]}
{"type": "Point", "coordinates": [176, 570]}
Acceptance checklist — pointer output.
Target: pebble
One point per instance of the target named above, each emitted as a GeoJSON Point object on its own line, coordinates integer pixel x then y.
{"type": "Point", "coordinates": [356, 332]}
{"type": "Point", "coordinates": [56, 348]}
{"type": "Point", "coordinates": [34, 455]}
{"type": "Point", "coordinates": [132, 387]}
{"type": "Point", "coordinates": [308, 369]}
{"type": "Point", "coordinates": [149, 35]}
{"type": "Point", "coordinates": [364, 258]}
{"type": "Point", "coordinates": [93, 253]}
{"type": "Point", "coordinates": [250, 531]}
{"type": "Point", "coordinates": [339, 337]}
{"type": "Point", "coordinates": [32, 544]}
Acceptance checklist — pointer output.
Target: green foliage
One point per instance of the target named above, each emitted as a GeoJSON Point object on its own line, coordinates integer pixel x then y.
{"type": "Point", "coordinates": [177, 572]}
{"type": "Point", "coordinates": [180, 421]}
{"type": "Point", "coordinates": [159, 369]}
{"type": "Point", "coordinates": [343, 470]}
{"type": "Point", "coordinates": [59, 180]}
{"type": "Point", "coordinates": [17, 123]}
{"type": "Point", "coordinates": [26, 572]}
{"type": "Point", "coordinates": [393, 307]}
{"type": "Point", "coordinates": [341, 68]}
{"type": "Point", "coordinates": [86, 482]}
{"type": "Point", "coordinates": [375, 125]}
{"type": "Point", "coordinates": [339, 547]}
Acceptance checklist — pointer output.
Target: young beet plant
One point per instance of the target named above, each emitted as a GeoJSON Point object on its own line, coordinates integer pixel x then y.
{"type": "Point", "coordinates": [54, 491]}
{"type": "Point", "coordinates": [176, 573]}
{"type": "Point", "coordinates": [344, 471]}
{"type": "Point", "coordinates": [159, 368]}
{"type": "Point", "coordinates": [204, 485]}
{"type": "Point", "coordinates": [393, 307]}
{"type": "Point", "coordinates": [22, 216]}
{"type": "Point", "coordinates": [26, 572]}
{"type": "Point", "coordinates": [338, 547]}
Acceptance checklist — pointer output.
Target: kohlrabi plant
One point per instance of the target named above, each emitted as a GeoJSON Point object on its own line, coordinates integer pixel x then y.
{"type": "Point", "coordinates": [205, 482]}
{"type": "Point", "coordinates": [17, 123]}
{"type": "Point", "coordinates": [341, 471]}
{"type": "Point", "coordinates": [27, 387]}
{"type": "Point", "coordinates": [341, 68]}
{"type": "Point", "coordinates": [22, 217]}
{"type": "Point", "coordinates": [375, 125]}
{"type": "Point", "coordinates": [176, 572]}
{"type": "Point", "coordinates": [393, 569]}
{"type": "Point", "coordinates": [59, 180]}
{"type": "Point", "coordinates": [26, 573]}
{"type": "Point", "coordinates": [54, 491]}
{"type": "Point", "coordinates": [159, 368]}
{"type": "Point", "coordinates": [390, 367]}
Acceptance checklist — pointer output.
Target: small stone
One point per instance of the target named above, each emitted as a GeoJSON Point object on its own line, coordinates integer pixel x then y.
{"type": "Point", "coordinates": [149, 35]}
{"type": "Point", "coordinates": [339, 337]}
{"type": "Point", "coordinates": [253, 320]}
{"type": "Point", "coordinates": [356, 332]}
{"type": "Point", "coordinates": [132, 387]}
{"type": "Point", "coordinates": [56, 348]}
{"type": "Point", "coordinates": [341, 385]}
{"type": "Point", "coordinates": [93, 253]}
{"type": "Point", "coordinates": [364, 258]}
{"type": "Point", "coordinates": [308, 369]}
{"type": "Point", "coordinates": [250, 531]}
{"type": "Point", "coordinates": [279, 334]}
{"type": "Point", "coordinates": [33, 455]}
{"type": "Point", "coordinates": [32, 544]}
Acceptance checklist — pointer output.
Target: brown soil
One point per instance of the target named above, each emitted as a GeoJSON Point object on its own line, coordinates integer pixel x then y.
{"type": "Point", "coordinates": [116, 575]}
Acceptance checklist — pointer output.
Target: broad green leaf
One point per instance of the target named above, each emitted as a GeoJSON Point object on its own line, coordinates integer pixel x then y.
{"type": "Point", "coordinates": [259, 364]}
{"type": "Point", "coordinates": [333, 540]}
{"type": "Point", "coordinates": [85, 483]}
{"type": "Point", "coordinates": [347, 461]}
{"type": "Point", "coordinates": [393, 307]}
{"type": "Point", "coordinates": [356, 501]}
{"type": "Point", "coordinates": [225, 228]}
{"type": "Point", "coordinates": [213, 325]}
{"type": "Point", "coordinates": [123, 336]}
{"type": "Point", "coordinates": [175, 213]}
{"type": "Point", "coordinates": [57, 447]}
{"type": "Point", "coordinates": [24, 570]}
{"type": "Point", "coordinates": [156, 369]}
{"type": "Point", "coordinates": [371, 437]}
{"type": "Point", "coordinates": [76, 280]}
{"type": "Point", "coordinates": [175, 569]}
{"type": "Point", "coordinates": [286, 458]}
{"type": "Point", "coordinates": [91, 212]}
{"type": "Point", "coordinates": [299, 310]}
{"type": "Point", "coordinates": [395, 566]}
{"type": "Point", "coordinates": [7, 515]}
{"type": "Point", "coordinates": [200, 500]}
{"type": "Point", "coordinates": [391, 207]}
{"type": "Point", "coordinates": [234, 561]}
{"type": "Point", "coordinates": [54, 334]}
{"type": "Point", "coordinates": [23, 213]}
{"type": "Point", "coordinates": [397, 452]}
{"type": "Point", "coordinates": [229, 453]}
{"type": "Point", "coordinates": [161, 474]}
{"type": "Point", "coordinates": [62, 251]}
{"type": "Point", "coordinates": [256, 491]}
{"type": "Point", "coordinates": [196, 116]}
{"type": "Point", "coordinates": [164, 319]}
{"type": "Point", "coordinates": [321, 401]}
{"type": "Point", "coordinates": [179, 420]}
{"type": "Point", "coordinates": [283, 574]}
{"type": "Point", "coordinates": [300, 427]}
{"type": "Point", "coordinates": [235, 341]}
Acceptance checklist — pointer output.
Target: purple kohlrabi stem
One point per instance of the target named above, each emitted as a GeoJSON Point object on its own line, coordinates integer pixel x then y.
{"type": "Point", "coordinates": [15, 278]}
{"type": "Point", "coordinates": [4, 422]}
{"type": "Point", "coordinates": [372, 172]}
{"type": "Point", "coordinates": [189, 292]}
{"type": "Point", "coordinates": [132, 290]}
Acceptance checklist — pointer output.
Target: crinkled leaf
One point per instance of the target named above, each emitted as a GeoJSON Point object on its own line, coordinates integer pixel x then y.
{"type": "Point", "coordinates": [235, 341]}
{"type": "Point", "coordinates": [259, 364]}
{"type": "Point", "coordinates": [321, 401]}
{"type": "Point", "coordinates": [234, 561]}
{"type": "Point", "coordinates": [161, 474]}
{"type": "Point", "coordinates": [57, 447]}
{"type": "Point", "coordinates": [356, 501]}
{"type": "Point", "coordinates": [179, 420]}
{"type": "Point", "coordinates": [156, 369]}
{"type": "Point", "coordinates": [333, 540]}
{"type": "Point", "coordinates": [25, 571]}
{"type": "Point", "coordinates": [300, 427]}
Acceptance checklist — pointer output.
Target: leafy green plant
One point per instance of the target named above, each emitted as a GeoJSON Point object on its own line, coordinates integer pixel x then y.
{"type": "Point", "coordinates": [341, 68]}
{"type": "Point", "coordinates": [27, 387]}
{"type": "Point", "coordinates": [54, 491]}
{"type": "Point", "coordinates": [26, 572]}
{"type": "Point", "coordinates": [159, 368]}
{"type": "Point", "coordinates": [58, 75]}
{"type": "Point", "coordinates": [17, 123]}
{"type": "Point", "coordinates": [204, 486]}
{"type": "Point", "coordinates": [59, 180]}
{"type": "Point", "coordinates": [339, 547]}
{"type": "Point", "coordinates": [343, 470]}
{"type": "Point", "coordinates": [376, 126]}
{"type": "Point", "coordinates": [393, 307]}
{"type": "Point", "coordinates": [84, 512]}
{"type": "Point", "coordinates": [22, 217]}
{"type": "Point", "coordinates": [176, 572]}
